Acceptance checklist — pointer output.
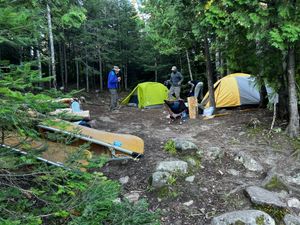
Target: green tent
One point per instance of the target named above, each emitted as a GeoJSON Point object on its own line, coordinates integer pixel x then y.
{"type": "Point", "coordinates": [147, 94]}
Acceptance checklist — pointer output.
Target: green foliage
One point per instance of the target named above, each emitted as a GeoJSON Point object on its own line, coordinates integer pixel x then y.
{"type": "Point", "coordinates": [276, 213]}
{"type": "Point", "coordinates": [74, 17]}
{"type": "Point", "coordinates": [170, 147]}
{"type": "Point", "coordinates": [276, 184]}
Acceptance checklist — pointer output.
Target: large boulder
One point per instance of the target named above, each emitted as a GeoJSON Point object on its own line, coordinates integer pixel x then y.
{"type": "Point", "coordinates": [159, 179]}
{"type": "Point", "coordinates": [261, 196]}
{"type": "Point", "coordinates": [291, 220]}
{"type": "Point", "coordinates": [185, 146]}
{"type": "Point", "coordinates": [247, 217]}
{"type": "Point", "coordinates": [248, 162]}
{"type": "Point", "coordinates": [173, 166]}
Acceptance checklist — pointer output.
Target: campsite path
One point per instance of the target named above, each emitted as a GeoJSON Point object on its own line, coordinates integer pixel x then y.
{"type": "Point", "coordinates": [218, 185]}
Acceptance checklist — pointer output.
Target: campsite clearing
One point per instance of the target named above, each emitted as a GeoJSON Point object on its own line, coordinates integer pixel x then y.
{"type": "Point", "coordinates": [219, 178]}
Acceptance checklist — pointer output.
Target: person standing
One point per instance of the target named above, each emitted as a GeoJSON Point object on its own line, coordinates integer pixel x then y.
{"type": "Point", "coordinates": [175, 80]}
{"type": "Point", "coordinates": [113, 84]}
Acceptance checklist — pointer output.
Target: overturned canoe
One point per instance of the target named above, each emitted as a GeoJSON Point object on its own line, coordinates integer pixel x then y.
{"type": "Point", "coordinates": [117, 146]}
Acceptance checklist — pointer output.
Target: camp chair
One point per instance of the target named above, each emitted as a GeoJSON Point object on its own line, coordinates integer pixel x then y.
{"type": "Point", "coordinates": [177, 109]}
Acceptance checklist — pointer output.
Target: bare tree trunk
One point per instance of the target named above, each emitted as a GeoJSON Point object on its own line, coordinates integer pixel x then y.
{"type": "Point", "coordinates": [77, 73]}
{"type": "Point", "coordinates": [209, 74]}
{"type": "Point", "coordinates": [189, 64]}
{"type": "Point", "coordinates": [38, 55]}
{"type": "Point", "coordinates": [100, 69]}
{"type": "Point", "coordinates": [61, 64]}
{"type": "Point", "coordinates": [126, 77]}
{"type": "Point", "coordinates": [156, 72]}
{"type": "Point", "coordinates": [87, 72]}
{"type": "Point", "coordinates": [293, 127]}
{"type": "Point", "coordinates": [65, 66]}
{"type": "Point", "coordinates": [52, 53]}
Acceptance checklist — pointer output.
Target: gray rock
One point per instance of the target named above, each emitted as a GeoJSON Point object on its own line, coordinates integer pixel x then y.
{"type": "Point", "coordinates": [291, 220]}
{"type": "Point", "coordinates": [189, 203]}
{"type": "Point", "coordinates": [132, 196]}
{"type": "Point", "coordinates": [200, 153]}
{"type": "Point", "coordinates": [247, 217]}
{"type": "Point", "coordinates": [233, 172]}
{"type": "Point", "coordinates": [294, 179]}
{"type": "Point", "coordinates": [190, 179]}
{"type": "Point", "coordinates": [182, 145]}
{"type": "Point", "coordinates": [173, 166]}
{"type": "Point", "coordinates": [293, 203]}
{"type": "Point", "coordinates": [214, 153]}
{"type": "Point", "coordinates": [262, 196]}
{"type": "Point", "coordinates": [248, 162]}
{"type": "Point", "coordinates": [192, 161]}
{"type": "Point", "coordinates": [159, 179]}
{"type": "Point", "coordinates": [124, 180]}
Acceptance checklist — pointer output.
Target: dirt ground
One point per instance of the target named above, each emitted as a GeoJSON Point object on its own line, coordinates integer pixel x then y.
{"type": "Point", "coordinates": [214, 190]}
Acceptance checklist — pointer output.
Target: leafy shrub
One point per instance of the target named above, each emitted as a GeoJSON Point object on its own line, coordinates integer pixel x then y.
{"type": "Point", "coordinates": [170, 147]}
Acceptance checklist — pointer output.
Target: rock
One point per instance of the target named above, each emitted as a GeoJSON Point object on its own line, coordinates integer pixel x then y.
{"type": "Point", "coordinates": [200, 153]}
{"type": "Point", "coordinates": [233, 172]}
{"type": "Point", "coordinates": [248, 162]}
{"type": "Point", "coordinates": [124, 180]}
{"type": "Point", "coordinates": [247, 217]}
{"type": "Point", "coordinates": [132, 196]}
{"type": "Point", "coordinates": [160, 178]}
{"type": "Point", "coordinates": [262, 196]}
{"type": "Point", "coordinates": [294, 179]}
{"type": "Point", "coordinates": [293, 203]}
{"type": "Point", "coordinates": [192, 162]}
{"type": "Point", "coordinates": [184, 145]}
{"type": "Point", "coordinates": [291, 220]}
{"type": "Point", "coordinates": [190, 179]}
{"type": "Point", "coordinates": [189, 203]}
{"type": "Point", "coordinates": [242, 133]}
{"type": "Point", "coordinates": [173, 166]}
{"type": "Point", "coordinates": [215, 153]}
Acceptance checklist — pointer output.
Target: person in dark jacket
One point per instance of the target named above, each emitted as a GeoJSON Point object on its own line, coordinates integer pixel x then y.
{"type": "Point", "coordinates": [113, 84]}
{"type": "Point", "coordinates": [175, 80]}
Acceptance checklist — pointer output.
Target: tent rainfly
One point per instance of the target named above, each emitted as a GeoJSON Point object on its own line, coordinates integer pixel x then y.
{"type": "Point", "coordinates": [147, 95]}
{"type": "Point", "coordinates": [234, 90]}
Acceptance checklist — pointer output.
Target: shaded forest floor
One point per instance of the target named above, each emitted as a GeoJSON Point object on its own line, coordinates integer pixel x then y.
{"type": "Point", "coordinates": [216, 189]}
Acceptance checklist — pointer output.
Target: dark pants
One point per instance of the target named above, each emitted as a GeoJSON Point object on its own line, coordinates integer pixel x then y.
{"type": "Point", "coordinates": [113, 98]}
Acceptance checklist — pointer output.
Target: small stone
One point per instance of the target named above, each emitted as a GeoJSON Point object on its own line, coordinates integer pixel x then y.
{"type": "Point", "coordinates": [200, 153]}
{"type": "Point", "coordinates": [293, 203]}
{"type": "Point", "coordinates": [202, 210]}
{"type": "Point", "coordinates": [182, 145]}
{"type": "Point", "coordinates": [294, 179]}
{"type": "Point", "coordinates": [160, 178]}
{"type": "Point", "coordinates": [190, 179]}
{"type": "Point", "coordinates": [132, 196]}
{"type": "Point", "coordinates": [159, 199]}
{"type": "Point", "coordinates": [189, 203]}
{"type": "Point", "coordinates": [249, 217]}
{"type": "Point", "coordinates": [215, 153]}
{"type": "Point", "coordinates": [291, 220]}
{"type": "Point", "coordinates": [172, 166]}
{"type": "Point", "coordinates": [248, 162]}
{"type": "Point", "coordinates": [204, 189]}
{"type": "Point", "coordinates": [233, 172]}
{"type": "Point", "coordinates": [124, 180]}
{"type": "Point", "coordinates": [262, 196]}
{"type": "Point", "coordinates": [192, 161]}
{"type": "Point", "coordinates": [242, 133]}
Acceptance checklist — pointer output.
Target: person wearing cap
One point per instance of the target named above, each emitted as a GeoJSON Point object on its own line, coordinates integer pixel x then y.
{"type": "Point", "coordinates": [175, 80]}
{"type": "Point", "coordinates": [113, 84]}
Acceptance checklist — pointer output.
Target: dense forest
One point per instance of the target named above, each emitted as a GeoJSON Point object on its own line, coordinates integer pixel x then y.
{"type": "Point", "coordinates": [51, 48]}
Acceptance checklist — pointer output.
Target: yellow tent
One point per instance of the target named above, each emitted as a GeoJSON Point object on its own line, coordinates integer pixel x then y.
{"type": "Point", "coordinates": [234, 90]}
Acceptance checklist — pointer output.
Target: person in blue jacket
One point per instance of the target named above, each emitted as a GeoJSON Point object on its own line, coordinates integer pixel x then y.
{"type": "Point", "coordinates": [113, 84]}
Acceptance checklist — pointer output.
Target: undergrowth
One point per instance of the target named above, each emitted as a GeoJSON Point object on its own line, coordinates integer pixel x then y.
{"type": "Point", "coordinates": [35, 193]}
{"type": "Point", "coordinates": [170, 147]}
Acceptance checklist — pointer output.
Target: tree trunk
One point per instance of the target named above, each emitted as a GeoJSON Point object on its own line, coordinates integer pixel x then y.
{"type": "Point", "coordinates": [126, 77]}
{"type": "Point", "coordinates": [189, 64]}
{"type": "Point", "coordinates": [61, 64]}
{"type": "Point", "coordinates": [77, 73]}
{"type": "Point", "coordinates": [209, 74]}
{"type": "Point", "coordinates": [100, 69]}
{"type": "Point", "coordinates": [218, 63]}
{"type": "Point", "coordinates": [38, 56]}
{"type": "Point", "coordinates": [293, 127]}
{"type": "Point", "coordinates": [87, 72]}
{"type": "Point", "coordinates": [156, 72]}
{"type": "Point", "coordinates": [52, 53]}
{"type": "Point", "coordinates": [65, 66]}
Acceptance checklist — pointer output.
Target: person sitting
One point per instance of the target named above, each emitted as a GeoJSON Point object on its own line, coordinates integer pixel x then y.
{"type": "Point", "coordinates": [196, 88]}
